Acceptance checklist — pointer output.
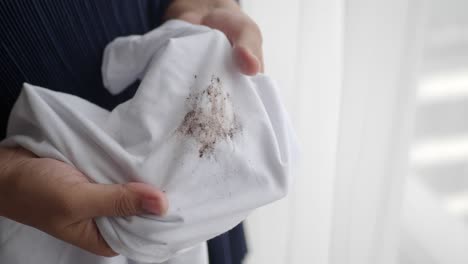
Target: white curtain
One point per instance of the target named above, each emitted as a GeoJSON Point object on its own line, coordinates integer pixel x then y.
{"type": "Point", "coordinates": [434, 225]}
{"type": "Point", "coordinates": [347, 70]}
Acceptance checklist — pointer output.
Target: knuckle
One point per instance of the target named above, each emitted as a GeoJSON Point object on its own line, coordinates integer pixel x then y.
{"type": "Point", "coordinates": [123, 205]}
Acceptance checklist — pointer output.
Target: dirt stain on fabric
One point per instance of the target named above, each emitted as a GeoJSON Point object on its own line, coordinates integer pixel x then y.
{"type": "Point", "coordinates": [211, 117]}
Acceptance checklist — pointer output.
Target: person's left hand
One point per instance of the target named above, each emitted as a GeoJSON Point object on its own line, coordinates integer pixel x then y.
{"type": "Point", "coordinates": [58, 199]}
{"type": "Point", "coordinates": [226, 16]}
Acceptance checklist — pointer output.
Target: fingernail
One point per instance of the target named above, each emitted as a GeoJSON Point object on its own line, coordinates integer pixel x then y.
{"type": "Point", "coordinates": [151, 206]}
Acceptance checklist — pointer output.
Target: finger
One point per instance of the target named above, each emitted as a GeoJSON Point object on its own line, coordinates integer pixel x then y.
{"type": "Point", "coordinates": [244, 35]}
{"type": "Point", "coordinates": [128, 199]}
{"type": "Point", "coordinates": [247, 62]}
{"type": "Point", "coordinates": [248, 48]}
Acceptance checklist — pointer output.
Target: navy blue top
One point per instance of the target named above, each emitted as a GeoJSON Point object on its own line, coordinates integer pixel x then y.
{"type": "Point", "coordinates": [58, 44]}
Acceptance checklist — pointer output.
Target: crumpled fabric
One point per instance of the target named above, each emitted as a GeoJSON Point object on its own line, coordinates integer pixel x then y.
{"type": "Point", "coordinates": [217, 142]}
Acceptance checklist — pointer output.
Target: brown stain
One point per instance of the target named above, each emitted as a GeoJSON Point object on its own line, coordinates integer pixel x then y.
{"type": "Point", "coordinates": [211, 118]}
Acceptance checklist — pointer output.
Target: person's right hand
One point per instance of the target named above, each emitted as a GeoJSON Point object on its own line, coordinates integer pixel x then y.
{"type": "Point", "coordinates": [56, 198]}
{"type": "Point", "coordinates": [227, 17]}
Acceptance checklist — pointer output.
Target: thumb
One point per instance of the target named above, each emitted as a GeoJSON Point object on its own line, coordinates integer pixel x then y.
{"type": "Point", "coordinates": [128, 199]}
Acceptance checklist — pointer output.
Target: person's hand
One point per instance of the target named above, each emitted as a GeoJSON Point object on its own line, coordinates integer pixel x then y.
{"type": "Point", "coordinates": [54, 197]}
{"type": "Point", "coordinates": [226, 16]}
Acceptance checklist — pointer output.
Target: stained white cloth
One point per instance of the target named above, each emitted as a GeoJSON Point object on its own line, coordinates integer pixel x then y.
{"type": "Point", "coordinates": [218, 142]}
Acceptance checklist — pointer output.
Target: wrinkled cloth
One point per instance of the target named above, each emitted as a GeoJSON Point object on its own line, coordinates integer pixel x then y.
{"type": "Point", "coordinates": [217, 142]}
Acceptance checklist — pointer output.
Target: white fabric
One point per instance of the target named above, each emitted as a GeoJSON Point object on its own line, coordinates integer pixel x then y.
{"type": "Point", "coordinates": [22, 244]}
{"type": "Point", "coordinates": [217, 142]}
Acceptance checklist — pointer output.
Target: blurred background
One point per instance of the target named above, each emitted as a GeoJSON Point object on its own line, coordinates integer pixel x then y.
{"type": "Point", "coordinates": [378, 94]}
{"type": "Point", "coordinates": [435, 209]}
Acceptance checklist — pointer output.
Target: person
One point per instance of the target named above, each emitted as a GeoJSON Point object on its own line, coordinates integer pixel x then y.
{"type": "Point", "coordinates": [58, 45]}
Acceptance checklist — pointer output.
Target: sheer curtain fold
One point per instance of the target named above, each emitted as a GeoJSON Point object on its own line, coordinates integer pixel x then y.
{"type": "Point", "coordinates": [346, 68]}
{"type": "Point", "coordinates": [377, 101]}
